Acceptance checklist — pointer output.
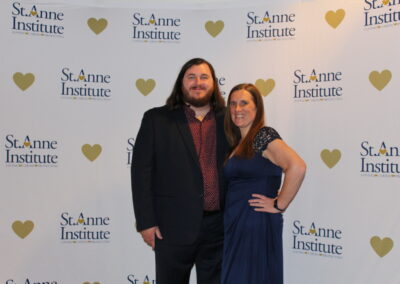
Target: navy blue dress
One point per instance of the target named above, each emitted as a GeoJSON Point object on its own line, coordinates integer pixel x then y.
{"type": "Point", "coordinates": [253, 240]}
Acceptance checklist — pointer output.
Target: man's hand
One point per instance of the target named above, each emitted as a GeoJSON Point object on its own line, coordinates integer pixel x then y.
{"type": "Point", "coordinates": [149, 234]}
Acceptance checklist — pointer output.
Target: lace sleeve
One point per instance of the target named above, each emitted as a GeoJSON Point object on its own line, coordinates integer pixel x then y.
{"type": "Point", "coordinates": [264, 136]}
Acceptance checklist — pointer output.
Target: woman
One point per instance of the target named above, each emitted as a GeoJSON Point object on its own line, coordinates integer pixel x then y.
{"type": "Point", "coordinates": [255, 198]}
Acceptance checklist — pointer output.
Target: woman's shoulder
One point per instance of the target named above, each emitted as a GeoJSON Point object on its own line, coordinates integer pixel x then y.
{"type": "Point", "coordinates": [263, 137]}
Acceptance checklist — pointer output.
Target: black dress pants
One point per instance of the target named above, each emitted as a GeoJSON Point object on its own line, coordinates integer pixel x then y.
{"type": "Point", "coordinates": [174, 262]}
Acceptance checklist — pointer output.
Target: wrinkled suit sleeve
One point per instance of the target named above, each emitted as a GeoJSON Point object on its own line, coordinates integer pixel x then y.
{"type": "Point", "coordinates": [141, 175]}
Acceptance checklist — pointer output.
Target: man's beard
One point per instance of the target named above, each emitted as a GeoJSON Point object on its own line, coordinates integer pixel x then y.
{"type": "Point", "coordinates": [197, 102]}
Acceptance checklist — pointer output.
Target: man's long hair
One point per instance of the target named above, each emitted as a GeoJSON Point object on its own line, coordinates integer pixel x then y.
{"type": "Point", "coordinates": [176, 99]}
{"type": "Point", "coordinates": [244, 148]}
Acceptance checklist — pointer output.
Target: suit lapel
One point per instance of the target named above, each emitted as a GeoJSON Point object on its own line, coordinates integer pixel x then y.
{"type": "Point", "coordinates": [184, 130]}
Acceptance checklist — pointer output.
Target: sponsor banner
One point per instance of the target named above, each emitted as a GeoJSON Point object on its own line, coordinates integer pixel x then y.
{"type": "Point", "coordinates": [315, 86]}
{"type": "Point", "coordinates": [379, 159]}
{"type": "Point", "coordinates": [381, 14]}
{"type": "Point", "coordinates": [268, 24]}
{"type": "Point", "coordinates": [312, 238]}
{"type": "Point", "coordinates": [85, 85]}
{"type": "Point", "coordinates": [36, 20]}
{"type": "Point", "coordinates": [30, 151]}
{"type": "Point", "coordinates": [84, 228]}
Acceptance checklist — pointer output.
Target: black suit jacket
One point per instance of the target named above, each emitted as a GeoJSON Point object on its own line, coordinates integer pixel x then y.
{"type": "Point", "coordinates": [167, 183]}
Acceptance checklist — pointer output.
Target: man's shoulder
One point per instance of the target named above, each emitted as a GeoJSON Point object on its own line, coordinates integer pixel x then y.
{"type": "Point", "coordinates": [157, 110]}
{"type": "Point", "coordinates": [163, 113]}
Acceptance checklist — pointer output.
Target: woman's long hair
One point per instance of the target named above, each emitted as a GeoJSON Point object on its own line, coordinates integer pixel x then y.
{"type": "Point", "coordinates": [176, 100]}
{"type": "Point", "coordinates": [243, 146]}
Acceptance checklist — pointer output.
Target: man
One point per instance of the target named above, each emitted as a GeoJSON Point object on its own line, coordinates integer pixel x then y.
{"type": "Point", "coordinates": [177, 182]}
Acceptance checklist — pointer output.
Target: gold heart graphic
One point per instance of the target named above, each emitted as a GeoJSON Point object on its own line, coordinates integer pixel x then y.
{"type": "Point", "coordinates": [382, 151]}
{"type": "Point", "coordinates": [380, 80]}
{"type": "Point", "coordinates": [145, 87]}
{"type": "Point", "coordinates": [385, 2]}
{"type": "Point", "coordinates": [91, 152]}
{"type": "Point", "coordinates": [330, 158]}
{"type": "Point", "coordinates": [214, 28]}
{"type": "Point", "coordinates": [22, 229]}
{"type": "Point", "coordinates": [27, 144]}
{"type": "Point", "coordinates": [152, 21]}
{"type": "Point", "coordinates": [381, 246]}
{"type": "Point", "coordinates": [265, 86]}
{"type": "Point", "coordinates": [266, 19]}
{"type": "Point", "coordinates": [80, 221]}
{"type": "Point", "coordinates": [97, 26]}
{"type": "Point", "coordinates": [313, 78]}
{"type": "Point", "coordinates": [23, 81]}
{"type": "Point", "coordinates": [335, 18]}
{"type": "Point", "coordinates": [81, 78]}
{"type": "Point", "coordinates": [33, 13]}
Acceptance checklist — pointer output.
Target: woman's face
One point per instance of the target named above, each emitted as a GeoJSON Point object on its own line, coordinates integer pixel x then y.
{"type": "Point", "coordinates": [242, 109]}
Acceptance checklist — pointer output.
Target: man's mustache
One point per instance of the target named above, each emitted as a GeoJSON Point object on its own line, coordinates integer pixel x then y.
{"type": "Point", "coordinates": [198, 87]}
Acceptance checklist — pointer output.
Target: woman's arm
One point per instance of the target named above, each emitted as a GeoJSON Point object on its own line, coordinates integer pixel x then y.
{"type": "Point", "coordinates": [279, 153]}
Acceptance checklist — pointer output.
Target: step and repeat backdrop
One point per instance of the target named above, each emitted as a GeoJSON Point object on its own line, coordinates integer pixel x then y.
{"type": "Point", "coordinates": [76, 80]}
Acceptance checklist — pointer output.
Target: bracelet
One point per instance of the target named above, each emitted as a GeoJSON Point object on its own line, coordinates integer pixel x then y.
{"type": "Point", "coordinates": [276, 206]}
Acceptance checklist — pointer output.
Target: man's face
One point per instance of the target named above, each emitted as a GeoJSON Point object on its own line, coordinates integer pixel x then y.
{"type": "Point", "coordinates": [198, 85]}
